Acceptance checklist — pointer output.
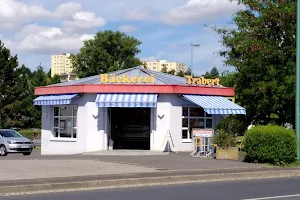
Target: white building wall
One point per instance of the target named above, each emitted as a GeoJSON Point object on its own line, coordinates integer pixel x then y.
{"type": "Point", "coordinates": [170, 106]}
{"type": "Point", "coordinates": [162, 125]}
{"type": "Point", "coordinates": [93, 127]}
{"type": "Point", "coordinates": [89, 131]}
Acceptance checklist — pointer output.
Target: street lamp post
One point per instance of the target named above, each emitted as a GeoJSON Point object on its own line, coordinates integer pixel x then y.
{"type": "Point", "coordinates": [193, 45]}
{"type": "Point", "coordinates": [298, 80]}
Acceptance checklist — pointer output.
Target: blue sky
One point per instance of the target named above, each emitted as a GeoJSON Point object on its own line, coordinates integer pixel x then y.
{"type": "Point", "coordinates": [37, 29]}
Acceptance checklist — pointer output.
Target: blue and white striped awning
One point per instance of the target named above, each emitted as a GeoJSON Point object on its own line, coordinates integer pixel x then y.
{"type": "Point", "coordinates": [56, 99]}
{"type": "Point", "coordinates": [215, 104]}
{"type": "Point", "coordinates": [127, 100]}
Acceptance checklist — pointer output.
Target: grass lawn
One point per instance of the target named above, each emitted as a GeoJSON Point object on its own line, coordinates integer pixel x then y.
{"type": "Point", "coordinates": [240, 138]}
{"type": "Point", "coordinates": [295, 164]}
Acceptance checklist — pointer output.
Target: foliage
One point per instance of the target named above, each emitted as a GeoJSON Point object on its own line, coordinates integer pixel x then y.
{"type": "Point", "coordinates": [16, 94]}
{"type": "Point", "coordinates": [107, 52]}
{"type": "Point", "coordinates": [55, 79]}
{"type": "Point", "coordinates": [172, 71]}
{"type": "Point", "coordinates": [270, 144]}
{"type": "Point", "coordinates": [214, 72]}
{"type": "Point", "coordinates": [233, 124]}
{"type": "Point", "coordinates": [144, 65]}
{"type": "Point", "coordinates": [180, 73]}
{"type": "Point", "coordinates": [223, 139]}
{"type": "Point", "coordinates": [29, 133]}
{"type": "Point", "coordinates": [164, 69]}
{"type": "Point", "coordinates": [8, 80]}
{"type": "Point", "coordinates": [227, 79]}
{"type": "Point", "coordinates": [188, 71]}
{"type": "Point", "coordinates": [262, 50]}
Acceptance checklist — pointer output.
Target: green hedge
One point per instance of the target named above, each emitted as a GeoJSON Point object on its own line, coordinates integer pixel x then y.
{"type": "Point", "coordinates": [29, 133]}
{"type": "Point", "coordinates": [270, 144]}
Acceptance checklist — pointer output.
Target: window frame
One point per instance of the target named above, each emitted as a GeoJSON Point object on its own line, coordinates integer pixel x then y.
{"type": "Point", "coordinates": [189, 138]}
{"type": "Point", "coordinates": [72, 138]}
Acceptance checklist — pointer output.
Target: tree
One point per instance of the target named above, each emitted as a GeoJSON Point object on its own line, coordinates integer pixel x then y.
{"type": "Point", "coordinates": [8, 65]}
{"type": "Point", "coordinates": [17, 92]}
{"type": "Point", "coordinates": [188, 72]}
{"type": "Point", "coordinates": [262, 50]}
{"type": "Point", "coordinates": [164, 69]}
{"type": "Point", "coordinates": [107, 51]}
{"type": "Point", "coordinates": [39, 77]}
{"type": "Point", "coordinates": [214, 72]}
{"type": "Point", "coordinates": [21, 112]}
{"type": "Point", "coordinates": [180, 73]}
{"type": "Point", "coordinates": [172, 71]}
{"type": "Point", "coordinates": [55, 79]}
{"type": "Point", "coordinates": [228, 79]}
{"type": "Point", "coordinates": [144, 65]}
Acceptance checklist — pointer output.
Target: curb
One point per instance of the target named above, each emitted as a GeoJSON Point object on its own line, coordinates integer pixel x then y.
{"type": "Point", "coordinates": [141, 182]}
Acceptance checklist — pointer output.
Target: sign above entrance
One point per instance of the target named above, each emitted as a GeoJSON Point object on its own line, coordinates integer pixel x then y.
{"type": "Point", "coordinates": [202, 81]}
{"type": "Point", "coordinates": [112, 78]}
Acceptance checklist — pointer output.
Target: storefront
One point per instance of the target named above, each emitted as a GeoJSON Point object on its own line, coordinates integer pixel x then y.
{"type": "Point", "coordinates": [135, 108]}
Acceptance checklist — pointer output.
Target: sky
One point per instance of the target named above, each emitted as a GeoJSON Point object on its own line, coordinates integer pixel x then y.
{"type": "Point", "coordinates": [37, 29]}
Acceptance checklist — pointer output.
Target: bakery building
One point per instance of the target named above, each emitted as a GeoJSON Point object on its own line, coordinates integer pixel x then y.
{"type": "Point", "coordinates": [134, 108]}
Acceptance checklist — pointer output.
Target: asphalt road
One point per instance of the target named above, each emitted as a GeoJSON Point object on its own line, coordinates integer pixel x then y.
{"type": "Point", "coordinates": [284, 188]}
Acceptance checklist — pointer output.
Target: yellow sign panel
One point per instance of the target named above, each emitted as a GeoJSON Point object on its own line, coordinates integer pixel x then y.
{"type": "Point", "coordinates": [231, 99]}
{"type": "Point", "coordinates": [112, 78]}
{"type": "Point", "coordinates": [202, 81]}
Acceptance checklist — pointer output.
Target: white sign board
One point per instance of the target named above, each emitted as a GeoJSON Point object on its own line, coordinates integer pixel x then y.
{"type": "Point", "coordinates": [203, 132]}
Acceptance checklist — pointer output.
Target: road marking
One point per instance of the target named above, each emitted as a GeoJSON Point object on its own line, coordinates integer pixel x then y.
{"type": "Point", "coordinates": [275, 197]}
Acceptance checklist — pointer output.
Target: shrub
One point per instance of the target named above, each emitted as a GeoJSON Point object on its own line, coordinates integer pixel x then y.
{"type": "Point", "coordinates": [233, 124]}
{"type": "Point", "coordinates": [270, 144]}
{"type": "Point", "coordinates": [29, 133]}
{"type": "Point", "coordinates": [223, 139]}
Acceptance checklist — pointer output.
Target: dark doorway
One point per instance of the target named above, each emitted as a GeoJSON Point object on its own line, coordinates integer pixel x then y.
{"type": "Point", "coordinates": [130, 128]}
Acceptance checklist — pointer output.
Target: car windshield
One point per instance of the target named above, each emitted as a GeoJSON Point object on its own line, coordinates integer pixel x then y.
{"type": "Point", "coordinates": [9, 133]}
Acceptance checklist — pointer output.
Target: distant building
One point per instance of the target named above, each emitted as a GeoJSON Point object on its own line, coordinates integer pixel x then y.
{"type": "Point", "coordinates": [61, 64]}
{"type": "Point", "coordinates": [158, 65]}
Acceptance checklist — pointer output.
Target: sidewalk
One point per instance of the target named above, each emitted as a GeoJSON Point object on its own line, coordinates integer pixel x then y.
{"type": "Point", "coordinates": [79, 183]}
{"type": "Point", "coordinates": [35, 166]}
{"type": "Point", "coordinates": [36, 173]}
{"type": "Point", "coordinates": [39, 169]}
{"type": "Point", "coordinates": [137, 175]}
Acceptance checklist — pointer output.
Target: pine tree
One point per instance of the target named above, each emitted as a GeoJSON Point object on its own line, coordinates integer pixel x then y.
{"type": "Point", "coordinates": [8, 78]}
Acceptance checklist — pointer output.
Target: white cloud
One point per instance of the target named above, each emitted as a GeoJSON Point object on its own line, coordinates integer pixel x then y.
{"type": "Point", "coordinates": [47, 40]}
{"type": "Point", "coordinates": [138, 14]}
{"type": "Point", "coordinates": [196, 11]}
{"type": "Point", "coordinates": [66, 10]}
{"type": "Point", "coordinates": [12, 12]}
{"type": "Point", "coordinates": [15, 13]}
{"type": "Point", "coordinates": [82, 21]}
{"type": "Point", "coordinates": [67, 37]}
{"type": "Point", "coordinates": [127, 28]}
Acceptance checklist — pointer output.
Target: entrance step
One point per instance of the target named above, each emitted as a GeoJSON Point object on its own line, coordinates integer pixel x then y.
{"type": "Point", "coordinates": [127, 153]}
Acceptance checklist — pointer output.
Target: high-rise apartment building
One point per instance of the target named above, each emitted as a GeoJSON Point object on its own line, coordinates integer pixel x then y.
{"type": "Point", "coordinates": [158, 65]}
{"type": "Point", "coordinates": [61, 64]}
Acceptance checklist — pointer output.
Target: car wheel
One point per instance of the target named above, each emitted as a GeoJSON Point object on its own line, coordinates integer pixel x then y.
{"type": "Point", "coordinates": [27, 153]}
{"type": "Point", "coordinates": [3, 151]}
